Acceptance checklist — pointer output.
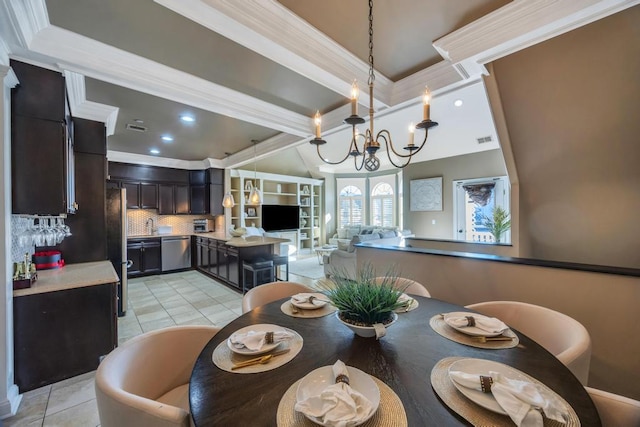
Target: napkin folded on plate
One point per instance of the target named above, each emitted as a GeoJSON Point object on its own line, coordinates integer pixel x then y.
{"type": "Point", "coordinates": [304, 297]}
{"type": "Point", "coordinates": [521, 400]}
{"type": "Point", "coordinates": [338, 405]}
{"type": "Point", "coordinates": [488, 324]}
{"type": "Point", "coordinates": [253, 340]}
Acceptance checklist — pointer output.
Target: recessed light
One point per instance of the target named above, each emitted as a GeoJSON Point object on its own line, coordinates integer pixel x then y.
{"type": "Point", "coordinates": [138, 120]}
{"type": "Point", "coordinates": [167, 138]}
{"type": "Point", "coordinates": [187, 118]}
{"type": "Point", "coordinates": [154, 151]}
{"type": "Point", "coordinates": [458, 102]}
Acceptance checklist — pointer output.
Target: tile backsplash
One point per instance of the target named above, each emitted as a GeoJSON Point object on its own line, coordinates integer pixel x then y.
{"type": "Point", "coordinates": [137, 221]}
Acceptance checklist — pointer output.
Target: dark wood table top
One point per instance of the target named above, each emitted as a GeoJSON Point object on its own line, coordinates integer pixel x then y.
{"type": "Point", "coordinates": [403, 360]}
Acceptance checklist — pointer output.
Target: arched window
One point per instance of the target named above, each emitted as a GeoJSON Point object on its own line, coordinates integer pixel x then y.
{"type": "Point", "coordinates": [350, 203]}
{"type": "Point", "coordinates": [382, 205]}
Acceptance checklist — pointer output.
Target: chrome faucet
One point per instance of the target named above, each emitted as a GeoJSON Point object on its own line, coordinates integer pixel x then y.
{"type": "Point", "coordinates": [150, 225]}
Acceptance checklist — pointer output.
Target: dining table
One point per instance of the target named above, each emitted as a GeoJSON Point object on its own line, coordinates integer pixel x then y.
{"type": "Point", "coordinates": [403, 360]}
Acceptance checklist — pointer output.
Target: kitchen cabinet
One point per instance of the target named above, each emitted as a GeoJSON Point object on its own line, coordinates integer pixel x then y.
{"type": "Point", "coordinates": [173, 199]}
{"type": "Point", "coordinates": [42, 162]}
{"type": "Point", "coordinates": [141, 195]}
{"type": "Point", "coordinates": [216, 194]}
{"type": "Point", "coordinates": [62, 334]}
{"type": "Point", "coordinates": [145, 255]}
{"type": "Point", "coordinates": [198, 199]}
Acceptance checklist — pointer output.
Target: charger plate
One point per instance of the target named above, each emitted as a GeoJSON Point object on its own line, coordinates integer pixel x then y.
{"type": "Point", "coordinates": [287, 308]}
{"type": "Point", "coordinates": [224, 358]}
{"type": "Point", "coordinates": [438, 324]}
{"type": "Point", "coordinates": [477, 415]}
{"type": "Point", "coordinates": [390, 413]}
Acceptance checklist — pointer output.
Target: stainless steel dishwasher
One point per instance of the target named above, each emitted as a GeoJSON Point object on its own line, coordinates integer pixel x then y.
{"type": "Point", "coordinates": [176, 253]}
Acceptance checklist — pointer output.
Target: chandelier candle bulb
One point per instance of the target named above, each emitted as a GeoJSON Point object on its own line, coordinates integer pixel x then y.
{"type": "Point", "coordinates": [318, 121]}
{"type": "Point", "coordinates": [412, 129]}
{"type": "Point", "coordinates": [355, 92]}
{"type": "Point", "coordinates": [427, 106]}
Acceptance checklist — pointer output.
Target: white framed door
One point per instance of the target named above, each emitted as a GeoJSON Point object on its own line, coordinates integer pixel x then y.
{"type": "Point", "coordinates": [474, 199]}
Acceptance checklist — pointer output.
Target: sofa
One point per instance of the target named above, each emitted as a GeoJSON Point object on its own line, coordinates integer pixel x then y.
{"type": "Point", "coordinates": [342, 261]}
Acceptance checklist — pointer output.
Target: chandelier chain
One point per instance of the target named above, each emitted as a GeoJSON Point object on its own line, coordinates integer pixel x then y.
{"type": "Point", "coordinates": [372, 76]}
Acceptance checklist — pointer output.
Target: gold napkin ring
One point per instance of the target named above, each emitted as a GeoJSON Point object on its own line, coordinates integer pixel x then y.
{"type": "Point", "coordinates": [268, 337]}
{"type": "Point", "coordinates": [471, 321]}
{"type": "Point", "coordinates": [342, 378]}
{"type": "Point", "coordinates": [485, 383]}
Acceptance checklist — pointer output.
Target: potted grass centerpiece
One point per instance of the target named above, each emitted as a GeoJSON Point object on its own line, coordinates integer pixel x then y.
{"type": "Point", "coordinates": [365, 305]}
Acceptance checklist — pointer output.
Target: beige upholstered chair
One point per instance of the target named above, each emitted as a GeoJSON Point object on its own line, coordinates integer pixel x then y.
{"type": "Point", "coordinates": [560, 334]}
{"type": "Point", "coordinates": [145, 382]}
{"type": "Point", "coordinates": [263, 294]}
{"type": "Point", "coordinates": [615, 410]}
{"type": "Point", "coordinates": [412, 287]}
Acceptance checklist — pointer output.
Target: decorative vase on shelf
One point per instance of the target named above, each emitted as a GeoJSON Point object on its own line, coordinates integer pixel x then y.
{"type": "Point", "coordinates": [248, 186]}
{"type": "Point", "coordinates": [279, 188]}
{"type": "Point", "coordinates": [303, 222]}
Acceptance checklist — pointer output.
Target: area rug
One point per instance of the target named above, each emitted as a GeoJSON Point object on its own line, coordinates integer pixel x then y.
{"type": "Point", "coordinates": [307, 267]}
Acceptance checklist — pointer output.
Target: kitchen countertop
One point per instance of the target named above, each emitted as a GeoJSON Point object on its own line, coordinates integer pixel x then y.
{"type": "Point", "coordinates": [219, 235]}
{"type": "Point", "coordinates": [71, 276]}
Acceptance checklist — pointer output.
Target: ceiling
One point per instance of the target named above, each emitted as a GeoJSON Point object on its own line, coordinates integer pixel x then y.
{"type": "Point", "coordinates": [259, 69]}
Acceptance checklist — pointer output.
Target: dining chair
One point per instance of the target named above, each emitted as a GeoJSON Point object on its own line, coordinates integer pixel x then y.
{"type": "Point", "coordinates": [615, 410]}
{"type": "Point", "coordinates": [145, 381]}
{"type": "Point", "coordinates": [263, 294]}
{"type": "Point", "coordinates": [410, 286]}
{"type": "Point", "coordinates": [561, 335]}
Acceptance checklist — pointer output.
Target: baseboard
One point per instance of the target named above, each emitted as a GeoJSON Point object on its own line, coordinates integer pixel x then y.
{"type": "Point", "coordinates": [9, 407]}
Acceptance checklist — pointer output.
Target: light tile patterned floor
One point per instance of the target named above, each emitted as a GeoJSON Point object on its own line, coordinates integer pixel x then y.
{"type": "Point", "coordinates": [186, 298]}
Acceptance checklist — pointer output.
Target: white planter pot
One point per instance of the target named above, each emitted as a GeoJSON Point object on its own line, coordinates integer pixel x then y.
{"type": "Point", "coordinates": [377, 331]}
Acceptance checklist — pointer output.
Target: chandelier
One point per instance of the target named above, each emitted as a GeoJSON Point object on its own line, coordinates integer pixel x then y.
{"type": "Point", "coordinates": [363, 147]}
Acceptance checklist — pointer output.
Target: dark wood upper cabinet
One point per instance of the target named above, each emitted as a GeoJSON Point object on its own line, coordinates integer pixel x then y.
{"type": "Point", "coordinates": [38, 166]}
{"type": "Point", "coordinates": [182, 199]}
{"type": "Point", "coordinates": [216, 176]}
{"type": "Point", "coordinates": [199, 199]}
{"type": "Point", "coordinates": [198, 177]}
{"type": "Point", "coordinates": [133, 194]}
{"type": "Point", "coordinates": [148, 196]}
{"type": "Point", "coordinates": [40, 94]}
{"type": "Point", "coordinates": [216, 195]}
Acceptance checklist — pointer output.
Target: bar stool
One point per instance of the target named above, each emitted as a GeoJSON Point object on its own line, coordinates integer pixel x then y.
{"type": "Point", "coordinates": [259, 268]}
{"type": "Point", "coordinates": [280, 260]}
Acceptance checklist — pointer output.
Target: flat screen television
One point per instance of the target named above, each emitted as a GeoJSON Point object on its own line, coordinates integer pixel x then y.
{"type": "Point", "coordinates": [280, 217]}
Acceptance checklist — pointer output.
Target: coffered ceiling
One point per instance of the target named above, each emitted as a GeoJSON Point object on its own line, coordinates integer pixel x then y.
{"type": "Point", "coordinates": [258, 69]}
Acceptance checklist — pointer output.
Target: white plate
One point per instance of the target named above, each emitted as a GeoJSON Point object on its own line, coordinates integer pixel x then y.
{"type": "Point", "coordinates": [262, 327]}
{"type": "Point", "coordinates": [482, 367]}
{"type": "Point", "coordinates": [472, 330]}
{"type": "Point", "coordinates": [311, 305]}
{"type": "Point", "coordinates": [316, 381]}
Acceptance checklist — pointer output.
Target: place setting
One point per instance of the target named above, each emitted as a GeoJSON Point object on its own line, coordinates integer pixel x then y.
{"type": "Point", "coordinates": [475, 330]}
{"type": "Point", "coordinates": [340, 395]}
{"type": "Point", "coordinates": [485, 392]}
{"type": "Point", "coordinates": [308, 305]}
{"type": "Point", "coordinates": [257, 348]}
{"type": "Point", "coordinates": [408, 303]}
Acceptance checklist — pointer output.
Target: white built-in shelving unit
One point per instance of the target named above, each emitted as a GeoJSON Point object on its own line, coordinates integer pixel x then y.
{"type": "Point", "coordinates": [308, 193]}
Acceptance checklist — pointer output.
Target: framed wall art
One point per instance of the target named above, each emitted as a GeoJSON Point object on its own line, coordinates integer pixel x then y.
{"type": "Point", "coordinates": [425, 194]}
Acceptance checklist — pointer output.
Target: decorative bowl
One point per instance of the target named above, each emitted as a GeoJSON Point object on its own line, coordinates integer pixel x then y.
{"type": "Point", "coordinates": [237, 232]}
{"type": "Point", "coordinates": [366, 331]}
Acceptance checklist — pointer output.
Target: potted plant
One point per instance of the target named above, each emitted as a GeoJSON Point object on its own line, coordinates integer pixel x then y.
{"type": "Point", "coordinates": [366, 305]}
{"type": "Point", "coordinates": [498, 224]}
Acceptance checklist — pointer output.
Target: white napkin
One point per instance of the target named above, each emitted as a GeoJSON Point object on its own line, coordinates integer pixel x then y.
{"type": "Point", "coordinates": [306, 297]}
{"type": "Point", "coordinates": [253, 340]}
{"type": "Point", "coordinates": [338, 405]}
{"type": "Point", "coordinates": [520, 399]}
{"type": "Point", "coordinates": [487, 324]}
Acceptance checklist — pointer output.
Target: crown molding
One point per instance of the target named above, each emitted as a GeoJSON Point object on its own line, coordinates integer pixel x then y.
{"type": "Point", "coordinates": [98, 60]}
{"type": "Point", "coordinates": [260, 25]}
{"type": "Point", "coordinates": [90, 110]}
{"type": "Point", "coordinates": [26, 19]}
{"type": "Point", "coordinates": [143, 159]}
{"type": "Point", "coordinates": [437, 77]}
{"type": "Point", "coordinates": [516, 26]}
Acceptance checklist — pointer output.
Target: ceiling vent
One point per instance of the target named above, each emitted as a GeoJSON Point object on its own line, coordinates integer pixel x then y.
{"type": "Point", "coordinates": [137, 128]}
{"type": "Point", "coordinates": [484, 139]}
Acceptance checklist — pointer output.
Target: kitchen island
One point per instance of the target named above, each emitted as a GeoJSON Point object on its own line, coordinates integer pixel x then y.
{"type": "Point", "coordinates": [221, 256]}
{"type": "Point", "coordinates": [64, 323]}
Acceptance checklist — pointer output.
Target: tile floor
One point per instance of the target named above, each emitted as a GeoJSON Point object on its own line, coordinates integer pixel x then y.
{"type": "Point", "coordinates": [186, 298]}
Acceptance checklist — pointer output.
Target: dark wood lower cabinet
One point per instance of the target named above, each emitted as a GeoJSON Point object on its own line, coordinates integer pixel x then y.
{"type": "Point", "coordinates": [61, 334]}
{"type": "Point", "coordinates": [224, 262]}
{"type": "Point", "coordinates": [145, 255]}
